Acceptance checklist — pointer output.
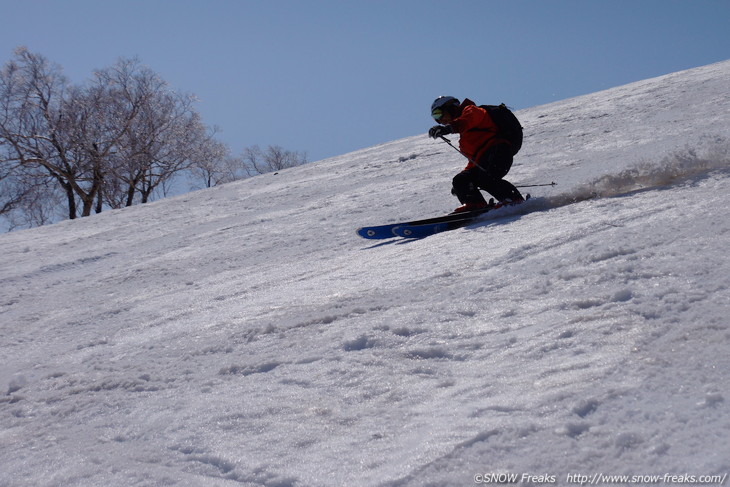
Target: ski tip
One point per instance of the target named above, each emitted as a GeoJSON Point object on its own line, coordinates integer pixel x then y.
{"type": "Point", "coordinates": [365, 232]}
{"type": "Point", "coordinates": [376, 233]}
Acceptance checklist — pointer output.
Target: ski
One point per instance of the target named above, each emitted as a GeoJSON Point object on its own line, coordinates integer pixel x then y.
{"type": "Point", "coordinates": [427, 229]}
{"type": "Point", "coordinates": [386, 231]}
{"type": "Point", "coordinates": [421, 230]}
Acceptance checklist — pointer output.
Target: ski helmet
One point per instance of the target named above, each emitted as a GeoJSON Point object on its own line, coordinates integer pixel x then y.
{"type": "Point", "coordinates": [438, 105]}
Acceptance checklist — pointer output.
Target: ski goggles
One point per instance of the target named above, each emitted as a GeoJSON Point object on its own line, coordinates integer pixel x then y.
{"type": "Point", "coordinates": [436, 113]}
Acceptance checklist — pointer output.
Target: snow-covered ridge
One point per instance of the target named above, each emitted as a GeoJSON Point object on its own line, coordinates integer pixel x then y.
{"type": "Point", "coordinates": [244, 335]}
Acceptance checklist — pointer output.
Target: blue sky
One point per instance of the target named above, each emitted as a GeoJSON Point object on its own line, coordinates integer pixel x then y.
{"type": "Point", "coordinates": [329, 77]}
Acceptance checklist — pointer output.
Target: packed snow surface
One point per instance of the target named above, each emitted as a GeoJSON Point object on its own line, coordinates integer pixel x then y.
{"type": "Point", "coordinates": [245, 335]}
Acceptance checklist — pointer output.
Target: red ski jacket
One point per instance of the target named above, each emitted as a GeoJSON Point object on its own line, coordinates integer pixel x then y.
{"type": "Point", "coordinates": [477, 129]}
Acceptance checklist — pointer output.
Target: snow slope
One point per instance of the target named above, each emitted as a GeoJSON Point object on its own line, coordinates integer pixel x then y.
{"type": "Point", "coordinates": [244, 335]}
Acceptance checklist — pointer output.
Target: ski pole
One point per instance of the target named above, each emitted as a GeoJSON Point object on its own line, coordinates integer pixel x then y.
{"type": "Point", "coordinates": [477, 165]}
{"type": "Point", "coordinates": [457, 150]}
{"type": "Point", "coordinates": [535, 185]}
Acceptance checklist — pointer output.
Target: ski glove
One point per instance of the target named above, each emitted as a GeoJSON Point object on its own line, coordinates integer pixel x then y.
{"type": "Point", "coordinates": [439, 131]}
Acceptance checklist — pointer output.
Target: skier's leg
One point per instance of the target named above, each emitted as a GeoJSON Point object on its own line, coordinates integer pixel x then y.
{"type": "Point", "coordinates": [494, 165]}
{"type": "Point", "coordinates": [465, 187]}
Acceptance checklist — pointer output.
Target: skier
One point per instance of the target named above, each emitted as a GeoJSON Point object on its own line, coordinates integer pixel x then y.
{"type": "Point", "coordinates": [490, 157]}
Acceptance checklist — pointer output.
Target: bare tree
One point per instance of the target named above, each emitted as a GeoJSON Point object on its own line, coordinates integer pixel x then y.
{"type": "Point", "coordinates": [12, 192]}
{"type": "Point", "coordinates": [31, 97]}
{"type": "Point", "coordinates": [214, 165]}
{"type": "Point", "coordinates": [117, 140]}
{"type": "Point", "coordinates": [274, 158]}
{"type": "Point", "coordinates": [165, 136]}
{"type": "Point", "coordinates": [40, 203]}
{"type": "Point", "coordinates": [56, 129]}
{"type": "Point", "coordinates": [114, 141]}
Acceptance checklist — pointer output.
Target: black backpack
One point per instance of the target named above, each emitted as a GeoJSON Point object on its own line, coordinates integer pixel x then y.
{"type": "Point", "coordinates": [508, 127]}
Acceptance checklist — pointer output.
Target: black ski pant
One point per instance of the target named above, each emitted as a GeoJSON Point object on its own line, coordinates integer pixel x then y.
{"type": "Point", "coordinates": [488, 175]}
